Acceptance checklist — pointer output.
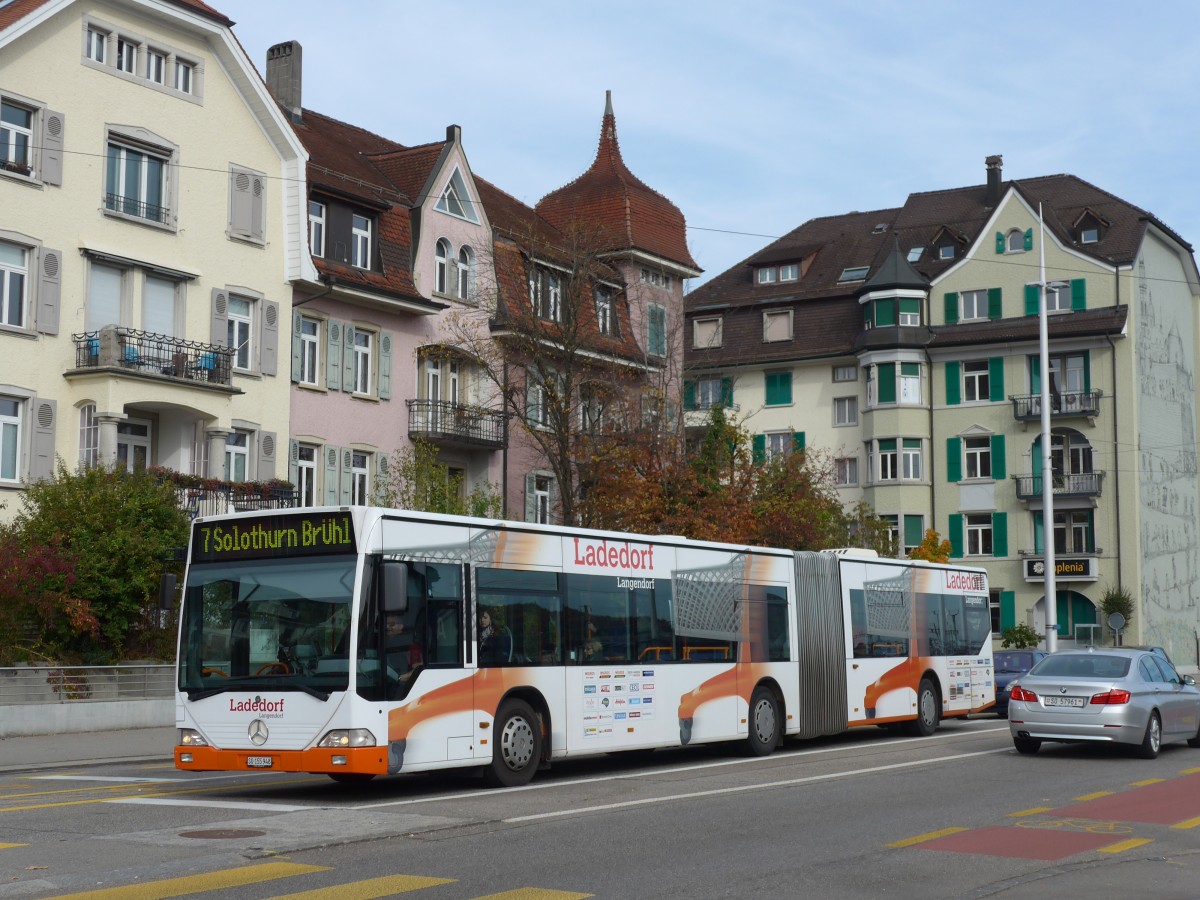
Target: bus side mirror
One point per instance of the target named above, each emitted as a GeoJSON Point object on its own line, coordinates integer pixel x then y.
{"type": "Point", "coordinates": [166, 590]}
{"type": "Point", "coordinates": [393, 583]}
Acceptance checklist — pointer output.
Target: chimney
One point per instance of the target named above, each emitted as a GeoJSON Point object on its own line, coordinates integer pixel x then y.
{"type": "Point", "coordinates": [285, 65]}
{"type": "Point", "coordinates": [453, 134]}
{"type": "Point", "coordinates": [994, 176]}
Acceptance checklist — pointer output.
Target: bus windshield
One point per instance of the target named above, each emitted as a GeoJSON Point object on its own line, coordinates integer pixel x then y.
{"type": "Point", "coordinates": [278, 624]}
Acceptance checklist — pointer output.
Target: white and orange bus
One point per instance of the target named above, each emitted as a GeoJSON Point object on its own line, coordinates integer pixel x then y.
{"type": "Point", "coordinates": [359, 641]}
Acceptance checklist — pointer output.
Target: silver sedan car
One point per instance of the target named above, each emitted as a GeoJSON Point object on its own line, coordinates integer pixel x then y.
{"type": "Point", "coordinates": [1105, 694]}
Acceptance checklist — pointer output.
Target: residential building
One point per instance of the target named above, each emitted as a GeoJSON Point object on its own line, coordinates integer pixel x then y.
{"type": "Point", "coordinates": [904, 343]}
{"type": "Point", "coordinates": [145, 267]}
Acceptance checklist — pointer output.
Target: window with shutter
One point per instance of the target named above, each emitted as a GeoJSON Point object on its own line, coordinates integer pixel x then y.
{"type": "Point", "coordinates": [247, 203]}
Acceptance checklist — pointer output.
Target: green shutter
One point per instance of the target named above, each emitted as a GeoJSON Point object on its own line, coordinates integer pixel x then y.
{"type": "Point", "coordinates": [956, 535]}
{"type": "Point", "coordinates": [1035, 458]}
{"type": "Point", "coordinates": [996, 379]}
{"type": "Point", "coordinates": [999, 534]}
{"type": "Point", "coordinates": [1032, 300]}
{"type": "Point", "coordinates": [1001, 243]}
{"type": "Point", "coordinates": [758, 448]}
{"type": "Point", "coordinates": [1078, 293]}
{"type": "Point", "coordinates": [1062, 604]}
{"type": "Point", "coordinates": [727, 392]}
{"type": "Point", "coordinates": [1087, 371]}
{"type": "Point", "coordinates": [913, 530]}
{"type": "Point", "coordinates": [689, 394]}
{"type": "Point", "coordinates": [1008, 610]}
{"type": "Point", "coordinates": [1035, 373]}
{"type": "Point", "coordinates": [999, 462]}
{"type": "Point", "coordinates": [779, 388]}
{"type": "Point", "coordinates": [885, 312]}
{"type": "Point", "coordinates": [886, 382]}
{"type": "Point", "coordinates": [951, 300]}
{"type": "Point", "coordinates": [798, 441]}
{"type": "Point", "coordinates": [1037, 533]}
{"type": "Point", "coordinates": [910, 306]}
{"type": "Point", "coordinates": [1028, 238]}
{"type": "Point", "coordinates": [954, 459]}
{"type": "Point", "coordinates": [995, 303]}
{"type": "Point", "coordinates": [953, 384]}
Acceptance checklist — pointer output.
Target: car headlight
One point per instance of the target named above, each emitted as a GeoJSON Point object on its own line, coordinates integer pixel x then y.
{"type": "Point", "coordinates": [190, 737]}
{"type": "Point", "coordinates": [347, 737]}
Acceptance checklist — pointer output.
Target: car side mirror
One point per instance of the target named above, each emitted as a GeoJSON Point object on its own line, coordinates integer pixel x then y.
{"type": "Point", "coordinates": [394, 586]}
{"type": "Point", "coordinates": [1188, 679]}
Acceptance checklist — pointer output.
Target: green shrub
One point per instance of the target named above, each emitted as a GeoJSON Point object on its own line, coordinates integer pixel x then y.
{"type": "Point", "coordinates": [1018, 637]}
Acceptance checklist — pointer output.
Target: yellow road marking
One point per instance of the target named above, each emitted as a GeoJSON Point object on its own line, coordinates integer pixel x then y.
{"type": "Point", "coordinates": [535, 894]}
{"type": "Point", "coordinates": [369, 889]}
{"type": "Point", "coordinates": [1030, 812]}
{"type": "Point", "coordinates": [195, 884]}
{"type": "Point", "coordinates": [1190, 771]}
{"type": "Point", "coordinates": [11, 846]}
{"type": "Point", "coordinates": [921, 838]}
{"type": "Point", "coordinates": [1147, 781]}
{"type": "Point", "coordinates": [234, 787]}
{"type": "Point", "coordinates": [1122, 846]}
{"type": "Point", "coordinates": [1188, 823]}
{"type": "Point", "coordinates": [1096, 795]}
{"type": "Point", "coordinates": [123, 786]}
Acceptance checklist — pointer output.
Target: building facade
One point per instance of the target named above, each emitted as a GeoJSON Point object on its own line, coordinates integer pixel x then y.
{"type": "Point", "coordinates": [904, 344]}
{"type": "Point", "coordinates": [145, 268]}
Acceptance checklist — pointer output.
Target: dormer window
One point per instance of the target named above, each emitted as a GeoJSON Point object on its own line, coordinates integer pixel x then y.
{"type": "Point", "coordinates": [946, 251]}
{"type": "Point", "coordinates": [455, 200]}
{"type": "Point", "coordinates": [1089, 235]}
{"type": "Point", "coordinates": [790, 272]}
{"type": "Point", "coordinates": [766, 275]}
{"type": "Point", "coordinates": [360, 242]}
{"type": "Point", "coordinates": [853, 273]}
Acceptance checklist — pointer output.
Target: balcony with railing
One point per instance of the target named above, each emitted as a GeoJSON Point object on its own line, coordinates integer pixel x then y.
{"type": "Point", "coordinates": [1063, 405]}
{"type": "Point", "coordinates": [1078, 484]}
{"type": "Point", "coordinates": [455, 424]}
{"type": "Point", "coordinates": [142, 353]}
{"type": "Point", "coordinates": [140, 209]}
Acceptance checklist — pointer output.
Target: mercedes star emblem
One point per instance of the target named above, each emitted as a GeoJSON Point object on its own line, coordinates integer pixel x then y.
{"type": "Point", "coordinates": [258, 732]}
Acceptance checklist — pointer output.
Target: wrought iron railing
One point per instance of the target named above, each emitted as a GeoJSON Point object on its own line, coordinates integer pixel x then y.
{"type": "Point", "coordinates": [68, 684]}
{"type": "Point", "coordinates": [227, 498]}
{"type": "Point", "coordinates": [1063, 404]}
{"type": "Point", "coordinates": [1079, 484]}
{"type": "Point", "coordinates": [456, 423]}
{"type": "Point", "coordinates": [153, 354]}
{"type": "Point", "coordinates": [131, 206]}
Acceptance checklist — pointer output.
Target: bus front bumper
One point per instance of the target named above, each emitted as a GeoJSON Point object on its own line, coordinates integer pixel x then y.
{"type": "Point", "coordinates": [321, 760]}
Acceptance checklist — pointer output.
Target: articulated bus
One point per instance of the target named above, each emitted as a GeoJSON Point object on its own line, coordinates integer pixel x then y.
{"type": "Point", "coordinates": [359, 641]}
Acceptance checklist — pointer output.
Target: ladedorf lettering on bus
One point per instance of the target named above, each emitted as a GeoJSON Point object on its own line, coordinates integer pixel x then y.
{"type": "Point", "coordinates": [965, 581]}
{"type": "Point", "coordinates": [257, 705]}
{"type": "Point", "coordinates": [613, 556]}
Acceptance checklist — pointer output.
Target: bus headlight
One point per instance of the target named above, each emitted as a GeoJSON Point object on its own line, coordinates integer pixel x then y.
{"type": "Point", "coordinates": [353, 737]}
{"type": "Point", "coordinates": [190, 737]}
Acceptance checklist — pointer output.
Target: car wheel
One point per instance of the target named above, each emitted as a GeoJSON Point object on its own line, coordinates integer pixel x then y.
{"type": "Point", "coordinates": [1195, 741]}
{"type": "Point", "coordinates": [764, 722]}
{"type": "Point", "coordinates": [1027, 746]}
{"type": "Point", "coordinates": [1149, 747]}
{"type": "Point", "coordinates": [516, 746]}
{"type": "Point", "coordinates": [928, 714]}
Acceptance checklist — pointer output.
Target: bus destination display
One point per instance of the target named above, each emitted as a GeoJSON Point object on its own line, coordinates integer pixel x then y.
{"type": "Point", "coordinates": [273, 536]}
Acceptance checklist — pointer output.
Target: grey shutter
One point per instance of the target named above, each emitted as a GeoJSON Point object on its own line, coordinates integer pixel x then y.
{"type": "Point", "coordinates": [49, 291]}
{"type": "Point", "coordinates": [348, 358]}
{"type": "Point", "coordinates": [41, 462]}
{"type": "Point", "coordinates": [269, 364]}
{"type": "Point", "coordinates": [266, 455]}
{"type": "Point", "coordinates": [330, 487]}
{"type": "Point", "coordinates": [530, 500]}
{"type": "Point", "coordinates": [220, 318]}
{"type": "Point", "coordinates": [54, 126]}
{"type": "Point", "coordinates": [554, 513]}
{"type": "Point", "coordinates": [294, 462]}
{"type": "Point", "coordinates": [333, 356]}
{"type": "Point", "coordinates": [346, 480]}
{"type": "Point", "coordinates": [385, 366]}
{"type": "Point", "coordinates": [247, 196]}
{"type": "Point", "coordinates": [297, 324]}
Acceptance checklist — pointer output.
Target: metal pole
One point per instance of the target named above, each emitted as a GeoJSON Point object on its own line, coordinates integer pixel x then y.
{"type": "Point", "coordinates": [1050, 595]}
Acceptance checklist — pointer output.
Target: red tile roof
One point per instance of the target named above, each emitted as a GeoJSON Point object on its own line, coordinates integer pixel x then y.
{"type": "Point", "coordinates": [19, 9]}
{"type": "Point", "coordinates": [610, 199]}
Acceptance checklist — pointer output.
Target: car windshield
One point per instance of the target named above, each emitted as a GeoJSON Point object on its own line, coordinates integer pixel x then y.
{"type": "Point", "coordinates": [1083, 665]}
{"type": "Point", "coordinates": [1013, 662]}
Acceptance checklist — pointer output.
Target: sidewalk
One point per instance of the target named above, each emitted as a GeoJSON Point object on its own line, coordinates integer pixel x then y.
{"type": "Point", "coordinates": [56, 751]}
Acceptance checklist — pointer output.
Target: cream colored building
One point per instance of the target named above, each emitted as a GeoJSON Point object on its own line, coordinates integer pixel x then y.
{"type": "Point", "coordinates": [152, 217]}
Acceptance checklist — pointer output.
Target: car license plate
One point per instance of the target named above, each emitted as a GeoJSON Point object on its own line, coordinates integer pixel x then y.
{"type": "Point", "coordinates": [1063, 701]}
{"type": "Point", "coordinates": [259, 762]}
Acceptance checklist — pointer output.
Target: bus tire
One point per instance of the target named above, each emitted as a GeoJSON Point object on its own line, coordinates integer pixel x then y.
{"type": "Point", "coordinates": [928, 715]}
{"type": "Point", "coordinates": [516, 745]}
{"type": "Point", "coordinates": [763, 722]}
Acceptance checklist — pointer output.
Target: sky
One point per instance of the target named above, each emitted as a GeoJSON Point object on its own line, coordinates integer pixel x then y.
{"type": "Point", "coordinates": [755, 118]}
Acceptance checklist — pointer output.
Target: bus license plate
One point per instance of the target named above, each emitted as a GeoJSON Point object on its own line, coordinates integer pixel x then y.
{"type": "Point", "coordinates": [1063, 701]}
{"type": "Point", "coordinates": [259, 762]}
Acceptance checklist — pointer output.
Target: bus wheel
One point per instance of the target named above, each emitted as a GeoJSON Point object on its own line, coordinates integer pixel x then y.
{"type": "Point", "coordinates": [516, 746]}
{"type": "Point", "coordinates": [764, 722]}
{"type": "Point", "coordinates": [927, 719]}
{"type": "Point", "coordinates": [351, 777]}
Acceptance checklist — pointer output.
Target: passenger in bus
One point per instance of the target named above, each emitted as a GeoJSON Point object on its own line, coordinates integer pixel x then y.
{"type": "Point", "coordinates": [593, 647]}
{"type": "Point", "coordinates": [495, 641]}
{"type": "Point", "coordinates": [397, 637]}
